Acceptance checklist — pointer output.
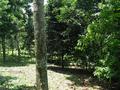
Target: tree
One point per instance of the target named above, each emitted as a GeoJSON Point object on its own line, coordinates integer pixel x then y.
{"type": "Point", "coordinates": [40, 45]}
{"type": "Point", "coordinates": [10, 23]}
{"type": "Point", "coordinates": [67, 19]}
{"type": "Point", "coordinates": [28, 40]}
{"type": "Point", "coordinates": [6, 27]}
{"type": "Point", "coordinates": [54, 30]}
{"type": "Point", "coordinates": [102, 41]}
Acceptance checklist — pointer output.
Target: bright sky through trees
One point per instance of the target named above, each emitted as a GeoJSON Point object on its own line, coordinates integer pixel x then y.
{"type": "Point", "coordinates": [45, 1]}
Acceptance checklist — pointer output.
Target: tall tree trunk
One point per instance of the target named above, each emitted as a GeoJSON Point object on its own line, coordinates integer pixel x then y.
{"type": "Point", "coordinates": [12, 46]}
{"type": "Point", "coordinates": [3, 48]}
{"type": "Point", "coordinates": [40, 45]}
{"type": "Point", "coordinates": [0, 49]}
{"type": "Point", "coordinates": [62, 59]}
{"type": "Point", "coordinates": [18, 47]}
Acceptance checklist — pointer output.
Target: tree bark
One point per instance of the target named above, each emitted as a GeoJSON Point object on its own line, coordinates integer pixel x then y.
{"type": "Point", "coordinates": [40, 45]}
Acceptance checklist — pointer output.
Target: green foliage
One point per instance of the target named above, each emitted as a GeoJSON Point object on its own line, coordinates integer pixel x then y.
{"type": "Point", "coordinates": [66, 20]}
{"type": "Point", "coordinates": [16, 28]}
{"type": "Point", "coordinates": [103, 36]}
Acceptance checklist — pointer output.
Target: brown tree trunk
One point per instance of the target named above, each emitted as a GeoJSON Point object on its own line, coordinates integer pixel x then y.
{"type": "Point", "coordinates": [40, 45]}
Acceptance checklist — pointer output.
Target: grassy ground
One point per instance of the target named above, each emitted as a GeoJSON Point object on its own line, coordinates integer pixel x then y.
{"type": "Point", "coordinates": [19, 74]}
{"type": "Point", "coordinates": [23, 78]}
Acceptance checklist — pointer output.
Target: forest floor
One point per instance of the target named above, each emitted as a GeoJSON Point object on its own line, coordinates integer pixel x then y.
{"type": "Point", "coordinates": [23, 78]}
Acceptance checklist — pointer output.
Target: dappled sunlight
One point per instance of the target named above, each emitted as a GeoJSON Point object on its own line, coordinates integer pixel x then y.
{"type": "Point", "coordinates": [72, 79]}
{"type": "Point", "coordinates": [58, 78]}
{"type": "Point", "coordinates": [14, 61]}
{"type": "Point", "coordinates": [59, 44]}
{"type": "Point", "coordinates": [83, 82]}
{"type": "Point", "coordinates": [23, 76]}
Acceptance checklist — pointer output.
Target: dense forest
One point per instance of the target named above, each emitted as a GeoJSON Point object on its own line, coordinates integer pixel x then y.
{"type": "Point", "coordinates": [69, 37]}
{"type": "Point", "coordinates": [86, 34]}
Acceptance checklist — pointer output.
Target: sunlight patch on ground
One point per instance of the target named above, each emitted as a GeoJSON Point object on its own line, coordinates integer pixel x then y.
{"type": "Point", "coordinates": [57, 81]}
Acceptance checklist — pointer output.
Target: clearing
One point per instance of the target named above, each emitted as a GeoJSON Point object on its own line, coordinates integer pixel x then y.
{"type": "Point", "coordinates": [23, 78]}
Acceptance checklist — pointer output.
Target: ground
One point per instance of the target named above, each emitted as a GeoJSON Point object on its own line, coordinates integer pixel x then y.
{"type": "Point", "coordinates": [22, 77]}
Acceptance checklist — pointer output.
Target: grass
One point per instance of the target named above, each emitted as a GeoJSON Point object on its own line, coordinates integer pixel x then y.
{"type": "Point", "coordinates": [73, 79]}
{"type": "Point", "coordinates": [21, 75]}
{"type": "Point", "coordinates": [15, 61]}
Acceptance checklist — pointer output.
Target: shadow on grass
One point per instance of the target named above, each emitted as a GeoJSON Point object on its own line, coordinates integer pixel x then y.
{"type": "Point", "coordinates": [14, 61]}
{"type": "Point", "coordinates": [80, 77]}
{"type": "Point", "coordinates": [87, 81]}
{"type": "Point", "coordinates": [5, 82]}
{"type": "Point", "coordinates": [24, 87]}
{"type": "Point", "coordinates": [69, 70]}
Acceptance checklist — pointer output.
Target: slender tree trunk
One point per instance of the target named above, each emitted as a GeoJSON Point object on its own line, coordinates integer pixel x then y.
{"type": "Point", "coordinates": [18, 47]}
{"type": "Point", "coordinates": [12, 46]}
{"type": "Point", "coordinates": [0, 49]}
{"type": "Point", "coordinates": [62, 59]}
{"type": "Point", "coordinates": [40, 45]}
{"type": "Point", "coordinates": [3, 48]}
